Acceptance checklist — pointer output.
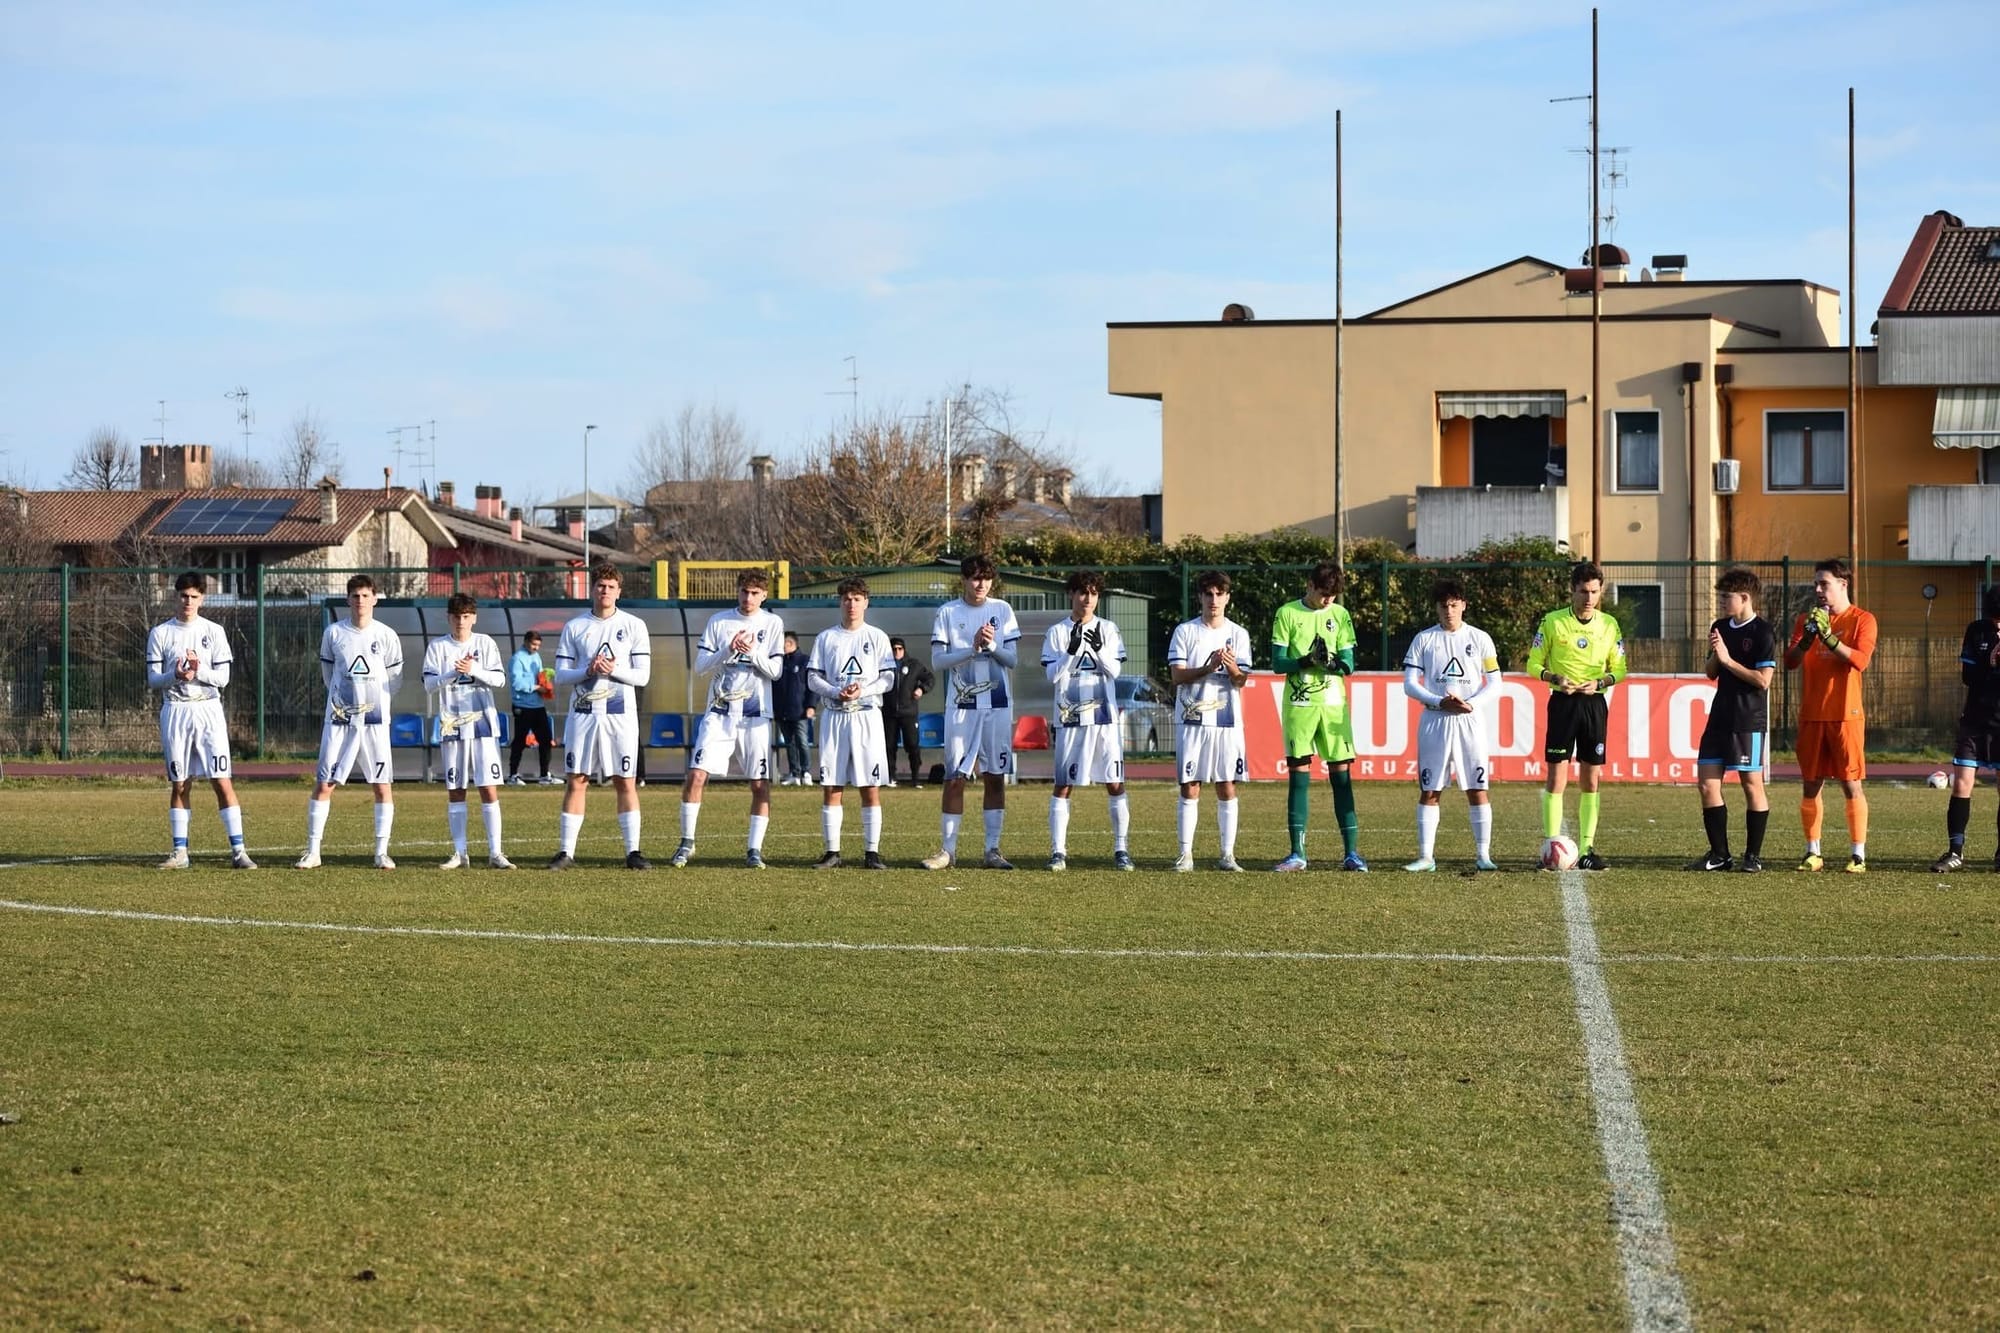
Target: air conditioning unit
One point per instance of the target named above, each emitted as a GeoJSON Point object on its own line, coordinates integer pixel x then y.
{"type": "Point", "coordinates": [1728, 475]}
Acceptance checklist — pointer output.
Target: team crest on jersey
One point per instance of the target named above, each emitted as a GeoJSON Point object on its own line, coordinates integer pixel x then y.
{"type": "Point", "coordinates": [851, 669]}
{"type": "Point", "coordinates": [360, 666]}
{"type": "Point", "coordinates": [1454, 670]}
{"type": "Point", "coordinates": [1582, 641]}
{"type": "Point", "coordinates": [1087, 662]}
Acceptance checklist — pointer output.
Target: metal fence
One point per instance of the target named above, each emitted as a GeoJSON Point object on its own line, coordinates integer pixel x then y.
{"type": "Point", "coordinates": [72, 639]}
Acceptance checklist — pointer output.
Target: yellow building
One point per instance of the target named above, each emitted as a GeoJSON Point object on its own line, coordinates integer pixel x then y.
{"type": "Point", "coordinates": [1723, 414]}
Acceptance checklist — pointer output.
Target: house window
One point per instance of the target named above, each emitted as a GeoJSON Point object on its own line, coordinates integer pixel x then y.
{"type": "Point", "coordinates": [1989, 467]}
{"type": "Point", "coordinates": [1636, 442]}
{"type": "Point", "coordinates": [1805, 451]}
{"type": "Point", "coordinates": [233, 571]}
{"type": "Point", "coordinates": [1649, 600]}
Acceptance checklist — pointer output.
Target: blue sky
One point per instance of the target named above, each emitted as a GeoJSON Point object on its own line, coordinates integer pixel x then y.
{"type": "Point", "coordinates": [514, 220]}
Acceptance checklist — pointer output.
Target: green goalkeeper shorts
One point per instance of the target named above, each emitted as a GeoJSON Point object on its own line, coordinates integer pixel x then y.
{"type": "Point", "coordinates": [1316, 729]}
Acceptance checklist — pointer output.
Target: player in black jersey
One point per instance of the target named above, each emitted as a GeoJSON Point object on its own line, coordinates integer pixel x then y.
{"type": "Point", "coordinates": [1978, 727]}
{"type": "Point", "coordinates": [1742, 655]}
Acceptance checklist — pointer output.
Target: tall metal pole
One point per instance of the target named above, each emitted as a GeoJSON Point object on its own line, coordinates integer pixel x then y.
{"type": "Point", "coordinates": [1596, 316]}
{"type": "Point", "coordinates": [1339, 348]}
{"type": "Point", "coordinates": [947, 473]}
{"type": "Point", "coordinates": [1853, 369]}
{"type": "Point", "coordinates": [586, 509]}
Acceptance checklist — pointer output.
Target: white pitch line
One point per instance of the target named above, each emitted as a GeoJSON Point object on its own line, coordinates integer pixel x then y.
{"type": "Point", "coordinates": [830, 946]}
{"type": "Point", "coordinates": [1654, 1296]}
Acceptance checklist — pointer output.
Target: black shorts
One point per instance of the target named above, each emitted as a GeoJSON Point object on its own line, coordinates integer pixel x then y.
{"type": "Point", "coordinates": [1977, 747]}
{"type": "Point", "coordinates": [1578, 724]}
{"type": "Point", "coordinates": [1723, 747]}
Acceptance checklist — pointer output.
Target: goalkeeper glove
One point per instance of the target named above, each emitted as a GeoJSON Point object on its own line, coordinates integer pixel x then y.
{"type": "Point", "coordinates": [1094, 636]}
{"type": "Point", "coordinates": [1821, 624]}
{"type": "Point", "coordinates": [1317, 655]}
{"type": "Point", "coordinates": [1075, 638]}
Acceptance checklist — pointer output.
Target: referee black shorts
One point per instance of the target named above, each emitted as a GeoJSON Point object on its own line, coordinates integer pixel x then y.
{"type": "Point", "coordinates": [1578, 724]}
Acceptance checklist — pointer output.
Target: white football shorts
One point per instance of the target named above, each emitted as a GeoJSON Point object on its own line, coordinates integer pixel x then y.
{"type": "Point", "coordinates": [977, 742]}
{"type": "Point", "coordinates": [194, 740]}
{"type": "Point", "coordinates": [1209, 754]}
{"type": "Point", "coordinates": [852, 749]}
{"type": "Point", "coordinates": [1092, 756]}
{"type": "Point", "coordinates": [1452, 745]}
{"type": "Point", "coordinates": [721, 738]}
{"type": "Point", "coordinates": [601, 745]}
{"type": "Point", "coordinates": [344, 744]}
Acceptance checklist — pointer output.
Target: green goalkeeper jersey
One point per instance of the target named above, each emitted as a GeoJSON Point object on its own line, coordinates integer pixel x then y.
{"type": "Point", "coordinates": [1293, 632]}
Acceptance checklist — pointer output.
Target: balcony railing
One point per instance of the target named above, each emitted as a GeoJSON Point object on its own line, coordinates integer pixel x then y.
{"type": "Point", "coordinates": [1452, 520]}
{"type": "Point", "coordinates": [1954, 522]}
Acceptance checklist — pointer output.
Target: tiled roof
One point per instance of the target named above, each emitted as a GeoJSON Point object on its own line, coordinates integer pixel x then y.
{"type": "Point", "coordinates": [101, 518]}
{"type": "Point", "coordinates": [540, 543]}
{"type": "Point", "coordinates": [1960, 278]}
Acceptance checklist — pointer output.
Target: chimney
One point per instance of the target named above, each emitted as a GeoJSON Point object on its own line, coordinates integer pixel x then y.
{"type": "Point", "coordinates": [763, 468]}
{"type": "Point", "coordinates": [1003, 478]}
{"type": "Point", "coordinates": [1670, 268]}
{"type": "Point", "coordinates": [21, 505]}
{"type": "Point", "coordinates": [447, 496]}
{"type": "Point", "coordinates": [971, 479]}
{"type": "Point", "coordinates": [329, 501]}
{"type": "Point", "coordinates": [1038, 487]}
{"type": "Point", "coordinates": [1060, 484]}
{"type": "Point", "coordinates": [385, 482]}
{"type": "Point", "coordinates": [514, 523]}
{"type": "Point", "coordinates": [576, 525]}
{"type": "Point", "coordinates": [499, 504]}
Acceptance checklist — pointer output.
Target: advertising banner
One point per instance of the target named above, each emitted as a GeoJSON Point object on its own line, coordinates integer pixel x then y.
{"type": "Point", "coordinates": [1656, 724]}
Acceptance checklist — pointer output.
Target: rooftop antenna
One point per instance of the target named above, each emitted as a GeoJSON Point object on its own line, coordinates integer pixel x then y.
{"type": "Point", "coordinates": [244, 416]}
{"type": "Point", "coordinates": [161, 438]}
{"type": "Point", "coordinates": [852, 392]}
{"type": "Point", "coordinates": [400, 453]}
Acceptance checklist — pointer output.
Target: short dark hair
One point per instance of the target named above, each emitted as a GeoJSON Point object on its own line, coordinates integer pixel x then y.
{"type": "Point", "coordinates": [532, 636]}
{"type": "Point", "coordinates": [897, 643]}
{"type": "Point", "coordinates": [1740, 579]}
{"type": "Point", "coordinates": [754, 578]}
{"type": "Point", "coordinates": [1582, 572]}
{"type": "Point", "coordinates": [853, 584]}
{"type": "Point", "coordinates": [603, 570]}
{"type": "Point", "coordinates": [978, 567]}
{"type": "Point", "coordinates": [1326, 577]}
{"type": "Point", "coordinates": [199, 582]}
{"type": "Point", "coordinates": [1212, 578]}
{"type": "Point", "coordinates": [1084, 580]}
{"type": "Point", "coordinates": [1837, 567]}
{"type": "Point", "coordinates": [360, 581]}
{"type": "Point", "coordinates": [1445, 590]}
{"type": "Point", "coordinates": [459, 603]}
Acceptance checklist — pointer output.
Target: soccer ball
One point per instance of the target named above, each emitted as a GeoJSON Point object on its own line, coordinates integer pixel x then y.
{"type": "Point", "coordinates": [1558, 853]}
{"type": "Point", "coordinates": [1938, 780]}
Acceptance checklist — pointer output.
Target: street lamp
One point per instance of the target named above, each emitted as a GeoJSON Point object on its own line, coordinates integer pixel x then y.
{"type": "Point", "coordinates": [586, 509]}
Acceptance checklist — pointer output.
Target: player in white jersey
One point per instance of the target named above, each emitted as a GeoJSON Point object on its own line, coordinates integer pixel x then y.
{"type": "Point", "coordinates": [187, 661]}
{"type": "Point", "coordinates": [361, 662]}
{"type": "Point", "coordinates": [1083, 655]}
{"type": "Point", "coordinates": [1449, 668]}
{"type": "Point", "coordinates": [461, 671]}
{"type": "Point", "coordinates": [852, 667]}
{"type": "Point", "coordinates": [743, 651]}
{"type": "Point", "coordinates": [1209, 659]}
{"type": "Point", "coordinates": [603, 657]}
{"type": "Point", "coordinates": [976, 639]}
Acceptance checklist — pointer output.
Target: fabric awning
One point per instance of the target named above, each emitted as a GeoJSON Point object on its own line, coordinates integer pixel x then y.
{"type": "Point", "coordinates": [1530, 403]}
{"type": "Point", "coordinates": [1967, 418]}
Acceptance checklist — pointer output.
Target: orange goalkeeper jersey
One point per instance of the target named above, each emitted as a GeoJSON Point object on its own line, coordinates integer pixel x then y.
{"type": "Point", "coordinates": [1829, 687]}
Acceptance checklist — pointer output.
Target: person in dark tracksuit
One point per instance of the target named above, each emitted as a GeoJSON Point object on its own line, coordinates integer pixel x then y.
{"type": "Point", "coordinates": [900, 709]}
{"type": "Point", "coordinates": [792, 704]}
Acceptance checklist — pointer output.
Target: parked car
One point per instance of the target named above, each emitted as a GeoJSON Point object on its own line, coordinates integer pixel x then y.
{"type": "Point", "coordinates": [1146, 710]}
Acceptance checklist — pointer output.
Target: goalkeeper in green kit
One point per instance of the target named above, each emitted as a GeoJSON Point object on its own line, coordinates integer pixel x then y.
{"type": "Point", "coordinates": [1312, 643]}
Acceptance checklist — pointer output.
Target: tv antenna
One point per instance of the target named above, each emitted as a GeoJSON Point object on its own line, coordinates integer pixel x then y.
{"type": "Point", "coordinates": [161, 438]}
{"type": "Point", "coordinates": [244, 416]}
{"type": "Point", "coordinates": [399, 452]}
{"type": "Point", "coordinates": [1610, 162]}
{"type": "Point", "coordinates": [852, 392]}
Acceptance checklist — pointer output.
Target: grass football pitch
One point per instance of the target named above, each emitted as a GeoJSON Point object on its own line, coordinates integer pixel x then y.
{"type": "Point", "coordinates": [721, 1098]}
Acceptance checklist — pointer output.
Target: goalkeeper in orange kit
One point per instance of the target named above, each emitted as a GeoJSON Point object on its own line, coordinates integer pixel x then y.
{"type": "Point", "coordinates": [1833, 643]}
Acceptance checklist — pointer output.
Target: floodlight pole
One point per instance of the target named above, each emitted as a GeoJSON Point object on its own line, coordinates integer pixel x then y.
{"type": "Point", "coordinates": [1339, 340]}
{"type": "Point", "coordinates": [947, 473]}
{"type": "Point", "coordinates": [586, 509]}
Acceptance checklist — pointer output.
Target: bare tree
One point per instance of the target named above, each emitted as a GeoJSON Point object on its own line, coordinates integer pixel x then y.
{"type": "Point", "coordinates": [693, 475]}
{"type": "Point", "coordinates": [239, 469]}
{"type": "Point", "coordinates": [105, 462]}
{"type": "Point", "coordinates": [871, 494]}
{"type": "Point", "coordinates": [306, 454]}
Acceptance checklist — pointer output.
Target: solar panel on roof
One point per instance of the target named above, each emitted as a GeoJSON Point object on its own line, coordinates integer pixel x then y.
{"type": "Point", "coordinates": [222, 516]}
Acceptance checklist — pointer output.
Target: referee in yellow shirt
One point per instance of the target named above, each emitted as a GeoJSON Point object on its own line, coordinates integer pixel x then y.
{"type": "Point", "coordinates": [1579, 652]}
